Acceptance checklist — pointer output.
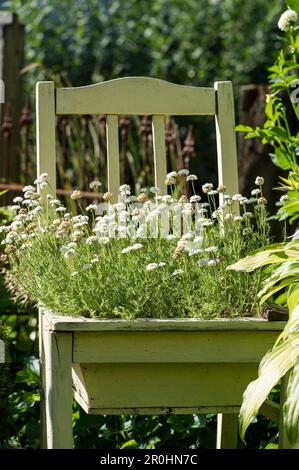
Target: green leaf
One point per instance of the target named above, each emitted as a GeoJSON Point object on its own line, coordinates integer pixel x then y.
{"type": "Point", "coordinates": [294, 4]}
{"type": "Point", "coordinates": [280, 159]}
{"type": "Point", "coordinates": [275, 364]}
{"type": "Point", "coordinates": [291, 408]}
{"type": "Point", "coordinates": [242, 128]}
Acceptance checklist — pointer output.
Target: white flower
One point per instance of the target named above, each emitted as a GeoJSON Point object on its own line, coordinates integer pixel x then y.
{"type": "Point", "coordinates": [76, 194]}
{"type": "Point", "coordinates": [151, 266]}
{"type": "Point", "coordinates": [211, 249]}
{"type": "Point", "coordinates": [187, 236]}
{"type": "Point", "coordinates": [192, 178]}
{"type": "Point", "coordinates": [155, 190]}
{"type": "Point", "coordinates": [259, 181]}
{"type": "Point", "coordinates": [247, 215]}
{"type": "Point", "coordinates": [91, 207]}
{"type": "Point", "coordinates": [15, 208]}
{"type": "Point", "coordinates": [104, 240]}
{"type": "Point", "coordinates": [207, 223]}
{"type": "Point", "coordinates": [237, 197]}
{"type": "Point", "coordinates": [288, 17]}
{"type": "Point", "coordinates": [95, 260]}
{"type": "Point", "coordinates": [238, 218]}
{"type": "Point", "coordinates": [195, 252]}
{"type": "Point", "coordinates": [172, 174]}
{"type": "Point", "coordinates": [18, 199]}
{"type": "Point", "coordinates": [91, 239]}
{"type": "Point", "coordinates": [212, 193]}
{"type": "Point", "coordinates": [72, 245]}
{"type": "Point", "coordinates": [75, 273]}
{"type": "Point", "coordinates": [61, 209]}
{"type": "Point", "coordinates": [183, 172]}
{"type": "Point", "coordinates": [69, 253]}
{"type": "Point", "coordinates": [212, 262]}
{"type": "Point", "coordinates": [161, 264]}
{"type": "Point", "coordinates": [177, 272]}
{"type": "Point", "coordinates": [207, 187]}
{"type": "Point", "coordinates": [171, 237]}
{"type": "Point", "coordinates": [95, 184]}
{"type": "Point", "coordinates": [255, 192]}
{"type": "Point", "coordinates": [284, 198]}
{"type": "Point", "coordinates": [87, 266]}
{"type": "Point", "coordinates": [28, 188]}
{"type": "Point", "coordinates": [28, 194]}
{"type": "Point", "coordinates": [134, 247]}
{"type": "Point", "coordinates": [195, 198]}
{"type": "Point", "coordinates": [43, 178]}
{"type": "Point", "coordinates": [124, 188]}
{"type": "Point", "coordinates": [54, 202]}
{"type": "Point", "coordinates": [167, 198]}
{"type": "Point", "coordinates": [64, 249]}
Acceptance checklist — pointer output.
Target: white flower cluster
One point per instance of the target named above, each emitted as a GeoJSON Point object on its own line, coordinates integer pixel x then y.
{"type": "Point", "coordinates": [286, 19]}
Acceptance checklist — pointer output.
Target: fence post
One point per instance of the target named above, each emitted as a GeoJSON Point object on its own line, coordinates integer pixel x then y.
{"type": "Point", "coordinates": [12, 37]}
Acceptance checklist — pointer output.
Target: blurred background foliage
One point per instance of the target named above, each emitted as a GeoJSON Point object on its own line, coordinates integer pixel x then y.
{"type": "Point", "coordinates": [75, 42]}
{"type": "Point", "coordinates": [190, 42]}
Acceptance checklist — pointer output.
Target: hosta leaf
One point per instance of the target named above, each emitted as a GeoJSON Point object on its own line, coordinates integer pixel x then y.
{"type": "Point", "coordinates": [275, 364]}
{"type": "Point", "coordinates": [291, 408]}
{"type": "Point", "coordinates": [293, 300]}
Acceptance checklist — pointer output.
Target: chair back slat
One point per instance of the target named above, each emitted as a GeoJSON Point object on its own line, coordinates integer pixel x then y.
{"type": "Point", "coordinates": [45, 132]}
{"type": "Point", "coordinates": [136, 96]}
{"type": "Point", "coordinates": [160, 169]}
{"type": "Point", "coordinates": [113, 174]}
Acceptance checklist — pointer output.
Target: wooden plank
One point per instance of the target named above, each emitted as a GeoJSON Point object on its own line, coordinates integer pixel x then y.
{"type": "Point", "coordinates": [226, 138]}
{"type": "Point", "coordinates": [160, 167]}
{"type": "Point", "coordinates": [154, 410]}
{"type": "Point", "coordinates": [227, 431]}
{"type": "Point", "coordinates": [45, 133]}
{"type": "Point", "coordinates": [58, 389]}
{"type": "Point", "coordinates": [172, 346]}
{"type": "Point", "coordinates": [158, 385]}
{"type": "Point", "coordinates": [113, 172]}
{"type": "Point", "coordinates": [72, 323]}
{"type": "Point", "coordinates": [136, 95]}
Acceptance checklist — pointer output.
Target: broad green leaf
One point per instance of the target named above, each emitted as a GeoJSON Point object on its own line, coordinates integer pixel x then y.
{"type": "Point", "coordinates": [275, 364]}
{"type": "Point", "coordinates": [280, 159]}
{"type": "Point", "coordinates": [294, 4]}
{"type": "Point", "coordinates": [293, 300]}
{"type": "Point", "coordinates": [291, 408]}
{"type": "Point", "coordinates": [242, 128]}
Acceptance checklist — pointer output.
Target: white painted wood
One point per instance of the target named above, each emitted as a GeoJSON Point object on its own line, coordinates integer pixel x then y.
{"type": "Point", "coordinates": [171, 346]}
{"type": "Point", "coordinates": [227, 431]}
{"type": "Point", "coordinates": [79, 323]}
{"type": "Point", "coordinates": [113, 172]}
{"type": "Point", "coordinates": [58, 389]}
{"type": "Point", "coordinates": [45, 133]}
{"type": "Point", "coordinates": [2, 352]}
{"type": "Point", "coordinates": [160, 168]}
{"type": "Point", "coordinates": [136, 95]}
{"type": "Point", "coordinates": [226, 138]}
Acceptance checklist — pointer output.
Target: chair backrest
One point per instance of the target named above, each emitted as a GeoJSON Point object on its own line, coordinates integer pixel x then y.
{"type": "Point", "coordinates": [137, 96]}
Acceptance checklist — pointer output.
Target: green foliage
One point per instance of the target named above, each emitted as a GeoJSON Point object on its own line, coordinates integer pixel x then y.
{"type": "Point", "coordinates": [281, 127]}
{"type": "Point", "coordinates": [190, 41]}
{"type": "Point", "coordinates": [97, 269]}
{"type": "Point", "coordinates": [285, 353]}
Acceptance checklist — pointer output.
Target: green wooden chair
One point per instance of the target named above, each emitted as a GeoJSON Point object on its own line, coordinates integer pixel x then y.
{"type": "Point", "coordinates": [156, 366]}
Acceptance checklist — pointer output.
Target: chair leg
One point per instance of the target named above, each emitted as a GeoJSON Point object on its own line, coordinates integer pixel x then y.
{"type": "Point", "coordinates": [42, 384]}
{"type": "Point", "coordinates": [227, 431]}
{"type": "Point", "coordinates": [58, 389]}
